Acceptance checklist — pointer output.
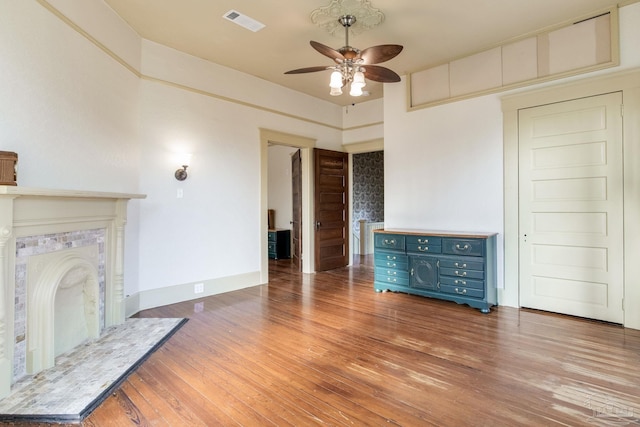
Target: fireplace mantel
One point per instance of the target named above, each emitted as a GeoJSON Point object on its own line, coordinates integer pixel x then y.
{"type": "Point", "coordinates": [26, 211]}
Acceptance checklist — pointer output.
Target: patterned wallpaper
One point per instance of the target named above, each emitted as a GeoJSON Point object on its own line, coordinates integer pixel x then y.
{"type": "Point", "coordinates": [368, 188]}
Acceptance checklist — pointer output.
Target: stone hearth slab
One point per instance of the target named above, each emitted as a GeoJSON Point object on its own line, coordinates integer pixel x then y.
{"type": "Point", "coordinates": [85, 376]}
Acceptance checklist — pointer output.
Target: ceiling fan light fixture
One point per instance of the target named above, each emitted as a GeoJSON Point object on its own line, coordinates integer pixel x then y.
{"type": "Point", "coordinates": [336, 80]}
{"type": "Point", "coordinates": [356, 90]}
{"type": "Point", "coordinates": [358, 79]}
{"type": "Point", "coordinates": [353, 65]}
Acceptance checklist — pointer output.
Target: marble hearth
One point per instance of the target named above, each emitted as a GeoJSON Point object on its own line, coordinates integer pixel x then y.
{"type": "Point", "coordinates": [61, 274]}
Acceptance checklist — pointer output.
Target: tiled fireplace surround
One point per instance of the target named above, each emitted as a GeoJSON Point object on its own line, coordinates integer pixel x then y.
{"type": "Point", "coordinates": [50, 240]}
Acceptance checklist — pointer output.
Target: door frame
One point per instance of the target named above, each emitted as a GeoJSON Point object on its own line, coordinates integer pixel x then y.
{"type": "Point", "coordinates": [305, 144]}
{"type": "Point", "coordinates": [357, 148]}
{"type": "Point", "coordinates": [628, 82]}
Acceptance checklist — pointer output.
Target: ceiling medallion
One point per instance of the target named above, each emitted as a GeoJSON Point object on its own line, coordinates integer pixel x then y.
{"type": "Point", "coordinates": [366, 16]}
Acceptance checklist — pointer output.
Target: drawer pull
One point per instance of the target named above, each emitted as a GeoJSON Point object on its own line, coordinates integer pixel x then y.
{"type": "Point", "coordinates": [389, 242]}
{"type": "Point", "coordinates": [392, 279]}
{"type": "Point", "coordinates": [423, 248]}
{"type": "Point", "coordinates": [391, 258]}
{"type": "Point", "coordinates": [463, 274]}
{"type": "Point", "coordinates": [391, 273]}
{"type": "Point", "coordinates": [462, 248]}
{"type": "Point", "coordinates": [423, 241]}
{"type": "Point", "coordinates": [391, 264]}
{"type": "Point", "coordinates": [461, 292]}
{"type": "Point", "coordinates": [458, 265]}
{"type": "Point", "coordinates": [461, 282]}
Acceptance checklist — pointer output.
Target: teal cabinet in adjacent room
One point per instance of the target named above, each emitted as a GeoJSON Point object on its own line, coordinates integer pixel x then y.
{"type": "Point", "coordinates": [459, 267]}
{"type": "Point", "coordinates": [279, 244]}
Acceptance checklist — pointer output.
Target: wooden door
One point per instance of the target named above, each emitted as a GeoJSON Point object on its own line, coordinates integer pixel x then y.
{"type": "Point", "coordinates": [296, 223]}
{"type": "Point", "coordinates": [330, 208]}
{"type": "Point", "coordinates": [571, 207]}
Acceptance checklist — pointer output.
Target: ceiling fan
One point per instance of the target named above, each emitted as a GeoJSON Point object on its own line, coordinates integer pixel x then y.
{"type": "Point", "coordinates": [353, 65]}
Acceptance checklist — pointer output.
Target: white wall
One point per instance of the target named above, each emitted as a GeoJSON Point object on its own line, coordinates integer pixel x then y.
{"type": "Point", "coordinates": [363, 121]}
{"type": "Point", "coordinates": [69, 110]}
{"type": "Point", "coordinates": [444, 165]}
{"type": "Point", "coordinates": [212, 234]}
{"type": "Point", "coordinates": [108, 111]}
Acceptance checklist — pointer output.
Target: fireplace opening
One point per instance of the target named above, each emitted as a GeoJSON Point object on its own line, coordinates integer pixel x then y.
{"type": "Point", "coordinates": [63, 304]}
{"type": "Point", "coordinates": [75, 310]}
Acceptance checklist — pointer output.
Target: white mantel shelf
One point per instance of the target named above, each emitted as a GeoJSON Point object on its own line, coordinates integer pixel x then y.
{"type": "Point", "coordinates": [27, 211]}
{"type": "Point", "coordinates": [15, 190]}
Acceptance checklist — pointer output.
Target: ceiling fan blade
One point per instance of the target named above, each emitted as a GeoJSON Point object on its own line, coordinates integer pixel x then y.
{"type": "Point", "coordinates": [327, 51]}
{"type": "Point", "coordinates": [308, 70]}
{"type": "Point", "coordinates": [380, 74]}
{"type": "Point", "coordinates": [382, 53]}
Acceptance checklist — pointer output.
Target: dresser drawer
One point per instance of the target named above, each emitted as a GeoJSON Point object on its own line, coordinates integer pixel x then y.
{"type": "Point", "coordinates": [424, 248]}
{"type": "Point", "coordinates": [272, 236]}
{"type": "Point", "coordinates": [470, 247]}
{"type": "Point", "coordinates": [389, 241]}
{"type": "Point", "coordinates": [390, 260]}
{"type": "Point", "coordinates": [462, 282]}
{"type": "Point", "coordinates": [462, 291]}
{"type": "Point", "coordinates": [390, 272]}
{"type": "Point", "coordinates": [460, 263]}
{"type": "Point", "coordinates": [469, 274]}
{"type": "Point", "coordinates": [424, 240]}
{"type": "Point", "coordinates": [393, 280]}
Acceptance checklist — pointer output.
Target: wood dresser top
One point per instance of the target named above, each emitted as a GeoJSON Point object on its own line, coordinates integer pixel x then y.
{"type": "Point", "coordinates": [439, 233]}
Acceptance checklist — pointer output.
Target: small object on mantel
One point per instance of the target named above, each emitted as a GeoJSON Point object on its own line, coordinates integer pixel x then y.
{"type": "Point", "coordinates": [8, 168]}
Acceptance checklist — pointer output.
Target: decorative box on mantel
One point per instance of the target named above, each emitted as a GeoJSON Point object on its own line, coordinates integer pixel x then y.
{"type": "Point", "coordinates": [62, 258]}
{"type": "Point", "coordinates": [8, 165]}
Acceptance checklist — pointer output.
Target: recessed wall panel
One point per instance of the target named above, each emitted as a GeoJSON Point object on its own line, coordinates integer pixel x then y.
{"type": "Point", "coordinates": [570, 256]}
{"type": "Point", "coordinates": [520, 61]}
{"type": "Point", "coordinates": [574, 223]}
{"type": "Point", "coordinates": [588, 119]}
{"type": "Point", "coordinates": [571, 290]}
{"type": "Point", "coordinates": [576, 46]}
{"type": "Point", "coordinates": [574, 189]}
{"type": "Point", "coordinates": [476, 73]}
{"type": "Point", "coordinates": [570, 156]}
{"type": "Point", "coordinates": [430, 85]}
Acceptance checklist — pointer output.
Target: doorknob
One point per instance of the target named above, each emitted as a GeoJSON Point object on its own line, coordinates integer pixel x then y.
{"type": "Point", "coordinates": [317, 225]}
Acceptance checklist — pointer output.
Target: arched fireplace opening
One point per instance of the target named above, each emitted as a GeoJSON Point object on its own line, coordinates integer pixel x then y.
{"type": "Point", "coordinates": [64, 305]}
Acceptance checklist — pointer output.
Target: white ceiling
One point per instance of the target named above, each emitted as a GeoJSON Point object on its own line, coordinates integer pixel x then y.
{"type": "Point", "coordinates": [431, 31]}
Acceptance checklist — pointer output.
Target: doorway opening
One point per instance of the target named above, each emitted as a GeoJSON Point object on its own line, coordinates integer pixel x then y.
{"type": "Point", "coordinates": [368, 200]}
{"type": "Point", "coordinates": [275, 138]}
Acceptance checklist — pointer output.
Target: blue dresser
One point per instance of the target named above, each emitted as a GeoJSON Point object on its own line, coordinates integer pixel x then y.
{"type": "Point", "coordinates": [279, 243]}
{"type": "Point", "coordinates": [458, 267]}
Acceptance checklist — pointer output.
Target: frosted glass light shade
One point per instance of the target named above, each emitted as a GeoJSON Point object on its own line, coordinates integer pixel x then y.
{"type": "Point", "coordinates": [336, 80]}
{"type": "Point", "coordinates": [356, 90]}
{"type": "Point", "coordinates": [358, 79]}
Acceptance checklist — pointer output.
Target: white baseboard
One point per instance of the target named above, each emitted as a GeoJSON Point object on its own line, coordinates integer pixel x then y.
{"type": "Point", "coordinates": [185, 292]}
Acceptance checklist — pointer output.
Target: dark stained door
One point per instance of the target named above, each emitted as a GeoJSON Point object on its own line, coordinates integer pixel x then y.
{"type": "Point", "coordinates": [330, 208]}
{"type": "Point", "coordinates": [296, 224]}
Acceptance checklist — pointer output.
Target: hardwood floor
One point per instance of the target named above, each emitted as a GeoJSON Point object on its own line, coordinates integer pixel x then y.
{"type": "Point", "coordinates": [325, 349]}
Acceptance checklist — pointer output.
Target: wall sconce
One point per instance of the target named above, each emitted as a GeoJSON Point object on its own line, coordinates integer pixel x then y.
{"type": "Point", "coordinates": [181, 173]}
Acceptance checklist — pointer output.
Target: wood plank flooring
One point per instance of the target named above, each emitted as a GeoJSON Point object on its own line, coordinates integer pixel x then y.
{"type": "Point", "coordinates": [325, 349]}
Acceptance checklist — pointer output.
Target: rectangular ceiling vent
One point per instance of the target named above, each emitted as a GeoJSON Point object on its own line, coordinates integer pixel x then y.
{"type": "Point", "coordinates": [243, 20]}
